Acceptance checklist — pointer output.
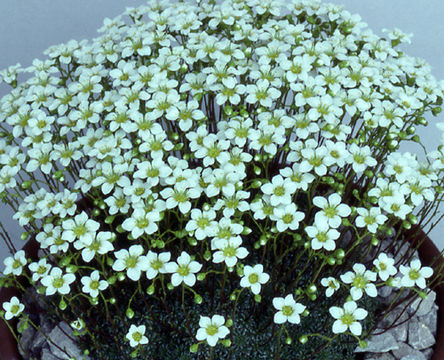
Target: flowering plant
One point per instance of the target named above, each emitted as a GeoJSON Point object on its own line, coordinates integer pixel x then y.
{"type": "Point", "coordinates": [217, 181]}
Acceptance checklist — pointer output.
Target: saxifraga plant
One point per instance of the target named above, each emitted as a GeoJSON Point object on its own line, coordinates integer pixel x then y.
{"type": "Point", "coordinates": [220, 181]}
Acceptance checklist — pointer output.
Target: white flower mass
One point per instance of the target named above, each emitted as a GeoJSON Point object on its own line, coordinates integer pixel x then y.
{"type": "Point", "coordinates": [234, 144]}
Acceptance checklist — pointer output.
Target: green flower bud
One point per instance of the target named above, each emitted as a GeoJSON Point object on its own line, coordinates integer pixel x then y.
{"type": "Point", "coordinates": [94, 301]}
{"type": "Point", "coordinates": [25, 185]}
{"type": "Point", "coordinates": [257, 298]}
{"type": "Point", "coordinates": [229, 323]}
{"type": "Point", "coordinates": [436, 111]}
{"type": "Point", "coordinates": [194, 348]}
{"type": "Point", "coordinates": [288, 341]}
{"type": "Point", "coordinates": [121, 276]}
{"type": "Point", "coordinates": [109, 219]}
{"type": "Point", "coordinates": [312, 289]}
{"type": "Point", "coordinates": [226, 342]}
{"type": "Point", "coordinates": [96, 212]}
{"type": "Point", "coordinates": [112, 301]}
{"type": "Point", "coordinates": [62, 305]}
{"type": "Point", "coordinates": [303, 339]}
{"type": "Point", "coordinates": [362, 344]}
{"type": "Point", "coordinates": [198, 299]}
{"type": "Point", "coordinates": [129, 313]}
{"type": "Point", "coordinates": [150, 290]}
{"type": "Point", "coordinates": [331, 260]}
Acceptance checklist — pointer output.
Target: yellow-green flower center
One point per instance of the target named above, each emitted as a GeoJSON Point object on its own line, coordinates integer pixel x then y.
{"type": "Point", "coordinates": [253, 278]}
{"type": "Point", "coordinates": [212, 329]}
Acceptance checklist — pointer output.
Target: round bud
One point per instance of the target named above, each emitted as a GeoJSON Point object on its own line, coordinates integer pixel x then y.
{"type": "Point", "coordinates": [257, 298]}
{"type": "Point", "coordinates": [121, 276]}
{"type": "Point", "coordinates": [112, 301]}
{"type": "Point", "coordinates": [150, 290]}
{"type": "Point", "coordinates": [198, 299]}
{"type": "Point", "coordinates": [194, 348]}
{"type": "Point", "coordinates": [94, 301]}
{"type": "Point", "coordinates": [129, 313]}
{"type": "Point", "coordinates": [226, 342]}
{"type": "Point", "coordinates": [303, 339]}
{"type": "Point", "coordinates": [288, 341]}
{"type": "Point", "coordinates": [331, 261]}
{"type": "Point", "coordinates": [362, 344]}
{"type": "Point", "coordinates": [96, 212]}
{"type": "Point", "coordinates": [62, 305]}
{"type": "Point", "coordinates": [229, 323]}
{"type": "Point", "coordinates": [312, 289]}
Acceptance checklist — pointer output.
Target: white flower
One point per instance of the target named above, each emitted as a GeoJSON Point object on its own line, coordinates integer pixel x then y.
{"type": "Point", "coordinates": [180, 196]}
{"type": "Point", "coordinates": [136, 335]}
{"type": "Point", "coordinates": [13, 308]}
{"type": "Point", "coordinates": [347, 318]}
{"type": "Point", "coordinates": [289, 310]}
{"type": "Point", "coordinates": [415, 274]}
{"type": "Point", "coordinates": [332, 210]}
{"type": "Point", "coordinates": [202, 223]}
{"type": "Point", "coordinates": [287, 217]}
{"type": "Point", "coordinates": [254, 277]}
{"type": "Point", "coordinates": [39, 269]}
{"type": "Point", "coordinates": [360, 158]}
{"type": "Point", "coordinates": [384, 266]}
{"type": "Point", "coordinates": [132, 261]}
{"type": "Point", "coordinates": [92, 284]}
{"type": "Point", "coordinates": [370, 219]}
{"type": "Point", "coordinates": [183, 270]}
{"type": "Point", "coordinates": [156, 263]}
{"type": "Point", "coordinates": [361, 280]}
{"type": "Point", "coordinates": [322, 236]}
{"type": "Point", "coordinates": [81, 228]}
{"type": "Point", "coordinates": [262, 93]}
{"type": "Point", "coordinates": [229, 250]}
{"type": "Point", "coordinates": [280, 190]}
{"type": "Point", "coordinates": [331, 285]}
{"type": "Point", "coordinates": [212, 329]}
{"type": "Point", "coordinates": [100, 244]}
{"type": "Point", "coordinates": [141, 222]}
{"type": "Point", "coordinates": [14, 264]}
{"type": "Point", "coordinates": [58, 282]}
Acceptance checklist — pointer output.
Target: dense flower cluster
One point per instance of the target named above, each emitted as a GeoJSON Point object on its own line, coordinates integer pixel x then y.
{"type": "Point", "coordinates": [233, 152]}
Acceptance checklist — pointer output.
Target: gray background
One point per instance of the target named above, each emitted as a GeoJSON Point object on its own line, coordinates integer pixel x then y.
{"type": "Point", "coordinates": [28, 27]}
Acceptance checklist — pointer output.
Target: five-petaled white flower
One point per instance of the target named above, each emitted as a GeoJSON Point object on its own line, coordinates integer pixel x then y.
{"type": "Point", "coordinates": [331, 285]}
{"type": "Point", "coordinates": [14, 264]}
{"type": "Point", "coordinates": [347, 318]}
{"type": "Point", "coordinates": [361, 280]}
{"type": "Point", "coordinates": [132, 261]}
{"type": "Point", "coordinates": [156, 263]}
{"type": "Point", "coordinates": [384, 266]}
{"type": "Point", "coordinates": [212, 329]}
{"type": "Point", "coordinates": [58, 282]}
{"type": "Point", "coordinates": [288, 310]}
{"type": "Point", "coordinates": [229, 250]}
{"type": "Point", "coordinates": [332, 210]}
{"type": "Point", "coordinates": [13, 308]}
{"type": "Point", "coordinates": [183, 270]}
{"type": "Point", "coordinates": [254, 277]}
{"type": "Point", "coordinates": [415, 274]}
{"type": "Point", "coordinates": [322, 236]}
{"type": "Point", "coordinates": [92, 284]}
{"type": "Point", "coordinates": [136, 335]}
